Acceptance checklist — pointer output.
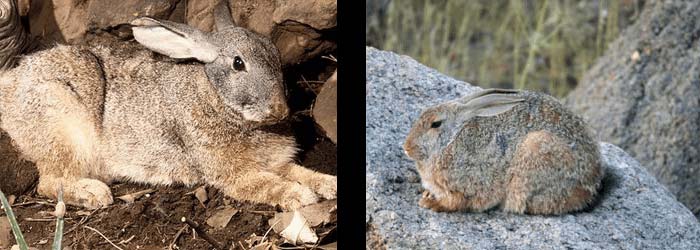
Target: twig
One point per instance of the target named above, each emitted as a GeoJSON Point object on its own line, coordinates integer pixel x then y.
{"type": "Point", "coordinates": [269, 229]}
{"type": "Point", "coordinates": [330, 57]}
{"type": "Point", "coordinates": [39, 220]}
{"type": "Point", "coordinates": [177, 235]}
{"type": "Point", "coordinates": [103, 236]}
{"type": "Point", "coordinates": [290, 247]}
{"type": "Point", "coordinates": [303, 79]}
{"type": "Point", "coordinates": [124, 242]}
{"type": "Point", "coordinates": [80, 223]}
{"type": "Point", "coordinates": [263, 212]}
{"type": "Point", "coordinates": [197, 228]}
{"type": "Point", "coordinates": [312, 81]}
{"type": "Point", "coordinates": [32, 202]}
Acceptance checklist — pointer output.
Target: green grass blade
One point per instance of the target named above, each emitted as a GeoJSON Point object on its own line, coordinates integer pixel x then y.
{"type": "Point", "coordinates": [60, 211]}
{"type": "Point", "coordinates": [13, 222]}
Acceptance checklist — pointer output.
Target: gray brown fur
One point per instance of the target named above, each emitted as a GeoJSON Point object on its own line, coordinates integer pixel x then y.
{"type": "Point", "coordinates": [528, 154]}
{"type": "Point", "coordinates": [88, 115]}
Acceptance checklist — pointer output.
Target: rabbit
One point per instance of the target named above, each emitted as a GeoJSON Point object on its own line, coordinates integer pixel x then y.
{"type": "Point", "coordinates": [519, 151]}
{"type": "Point", "coordinates": [90, 115]}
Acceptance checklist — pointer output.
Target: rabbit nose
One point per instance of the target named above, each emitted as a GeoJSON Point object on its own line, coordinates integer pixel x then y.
{"type": "Point", "coordinates": [410, 150]}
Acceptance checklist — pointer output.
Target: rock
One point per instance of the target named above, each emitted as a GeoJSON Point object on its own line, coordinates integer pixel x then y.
{"type": "Point", "coordinates": [6, 237]}
{"type": "Point", "coordinates": [643, 95]}
{"type": "Point", "coordinates": [70, 20]}
{"type": "Point", "coordinates": [301, 29]}
{"type": "Point", "coordinates": [13, 38]}
{"type": "Point", "coordinates": [633, 212]}
{"type": "Point", "coordinates": [200, 14]}
{"type": "Point", "coordinates": [325, 108]}
{"type": "Point", "coordinates": [127, 10]}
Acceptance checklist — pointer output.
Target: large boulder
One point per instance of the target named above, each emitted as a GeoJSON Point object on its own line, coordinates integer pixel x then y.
{"type": "Point", "coordinates": [302, 30]}
{"type": "Point", "coordinates": [644, 95]}
{"type": "Point", "coordinates": [633, 212]}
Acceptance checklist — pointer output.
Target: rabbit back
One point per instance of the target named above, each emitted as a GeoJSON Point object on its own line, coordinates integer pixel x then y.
{"type": "Point", "coordinates": [51, 105]}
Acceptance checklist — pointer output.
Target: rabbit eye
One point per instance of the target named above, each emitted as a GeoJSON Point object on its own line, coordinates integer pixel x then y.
{"type": "Point", "coordinates": [436, 124]}
{"type": "Point", "coordinates": [238, 64]}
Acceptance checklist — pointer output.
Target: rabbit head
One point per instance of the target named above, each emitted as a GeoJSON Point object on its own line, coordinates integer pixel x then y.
{"type": "Point", "coordinates": [242, 66]}
{"type": "Point", "coordinates": [438, 125]}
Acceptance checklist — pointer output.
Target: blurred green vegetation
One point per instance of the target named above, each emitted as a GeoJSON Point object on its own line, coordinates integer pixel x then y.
{"type": "Point", "coordinates": [543, 45]}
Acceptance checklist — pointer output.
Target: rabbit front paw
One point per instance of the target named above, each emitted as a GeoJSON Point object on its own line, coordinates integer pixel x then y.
{"type": "Point", "coordinates": [327, 187]}
{"type": "Point", "coordinates": [428, 201]}
{"type": "Point", "coordinates": [297, 197]}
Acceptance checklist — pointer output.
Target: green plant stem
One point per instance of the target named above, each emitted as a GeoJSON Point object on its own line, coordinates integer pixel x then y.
{"type": "Point", "coordinates": [13, 222]}
{"type": "Point", "coordinates": [60, 210]}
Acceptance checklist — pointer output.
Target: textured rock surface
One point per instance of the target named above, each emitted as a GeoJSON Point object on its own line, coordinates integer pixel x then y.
{"type": "Point", "coordinates": [634, 212]}
{"type": "Point", "coordinates": [5, 233]}
{"type": "Point", "coordinates": [302, 30]}
{"type": "Point", "coordinates": [643, 95]}
{"type": "Point", "coordinates": [325, 108]}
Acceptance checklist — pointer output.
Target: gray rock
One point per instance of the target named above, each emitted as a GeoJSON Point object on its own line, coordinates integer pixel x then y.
{"type": "Point", "coordinates": [325, 110]}
{"type": "Point", "coordinates": [643, 95]}
{"type": "Point", "coordinates": [633, 212]}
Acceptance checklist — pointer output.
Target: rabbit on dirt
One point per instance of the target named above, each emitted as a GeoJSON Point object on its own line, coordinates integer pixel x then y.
{"type": "Point", "coordinates": [88, 115]}
{"type": "Point", "coordinates": [518, 150]}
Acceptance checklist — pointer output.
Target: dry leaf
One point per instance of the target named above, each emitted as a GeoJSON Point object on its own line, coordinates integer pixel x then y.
{"type": "Point", "coordinates": [130, 198]}
{"type": "Point", "coordinates": [201, 194]}
{"type": "Point", "coordinates": [320, 213]}
{"type": "Point", "coordinates": [16, 247]}
{"type": "Point", "coordinates": [221, 218]}
{"type": "Point", "coordinates": [315, 214]}
{"type": "Point", "coordinates": [83, 213]}
{"type": "Point", "coordinates": [298, 230]}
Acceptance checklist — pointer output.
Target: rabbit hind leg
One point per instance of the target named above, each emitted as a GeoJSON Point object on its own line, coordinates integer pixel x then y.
{"type": "Point", "coordinates": [69, 157]}
{"type": "Point", "coordinates": [539, 177]}
{"type": "Point", "coordinates": [72, 162]}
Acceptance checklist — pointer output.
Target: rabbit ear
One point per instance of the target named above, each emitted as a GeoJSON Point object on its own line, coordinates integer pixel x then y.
{"type": "Point", "coordinates": [496, 109]}
{"type": "Point", "coordinates": [222, 16]}
{"type": "Point", "coordinates": [174, 39]}
{"type": "Point", "coordinates": [494, 102]}
{"type": "Point", "coordinates": [487, 92]}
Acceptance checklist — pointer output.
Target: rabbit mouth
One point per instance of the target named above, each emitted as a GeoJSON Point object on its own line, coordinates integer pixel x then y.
{"type": "Point", "coordinates": [251, 115]}
{"type": "Point", "coordinates": [258, 117]}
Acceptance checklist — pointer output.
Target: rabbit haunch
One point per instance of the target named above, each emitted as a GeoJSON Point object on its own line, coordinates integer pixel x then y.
{"type": "Point", "coordinates": [518, 150]}
{"type": "Point", "coordinates": [89, 115]}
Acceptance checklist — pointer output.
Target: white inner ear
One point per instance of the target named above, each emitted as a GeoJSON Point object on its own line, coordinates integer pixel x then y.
{"type": "Point", "coordinates": [495, 109]}
{"type": "Point", "coordinates": [171, 44]}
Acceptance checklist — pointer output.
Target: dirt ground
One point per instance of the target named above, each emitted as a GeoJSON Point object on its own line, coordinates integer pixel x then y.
{"type": "Point", "coordinates": [154, 222]}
